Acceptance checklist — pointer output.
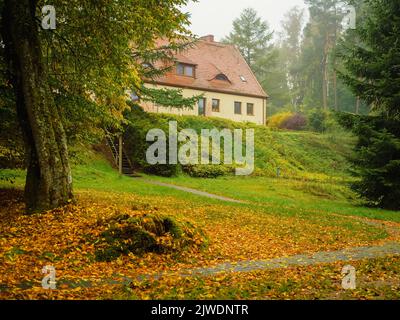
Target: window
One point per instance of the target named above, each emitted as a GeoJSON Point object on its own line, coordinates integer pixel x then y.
{"type": "Point", "coordinates": [215, 105]}
{"type": "Point", "coordinates": [202, 106]}
{"type": "Point", "coordinates": [243, 78]}
{"type": "Point", "coordinates": [185, 70]}
{"type": "Point", "coordinates": [180, 69]}
{"type": "Point", "coordinates": [222, 77]}
{"type": "Point", "coordinates": [189, 71]}
{"type": "Point", "coordinates": [250, 109]}
{"type": "Point", "coordinates": [238, 107]}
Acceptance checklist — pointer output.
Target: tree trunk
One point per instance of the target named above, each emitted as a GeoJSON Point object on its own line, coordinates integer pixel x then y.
{"type": "Point", "coordinates": [358, 105]}
{"type": "Point", "coordinates": [335, 89]}
{"type": "Point", "coordinates": [48, 182]}
{"type": "Point", "coordinates": [325, 73]}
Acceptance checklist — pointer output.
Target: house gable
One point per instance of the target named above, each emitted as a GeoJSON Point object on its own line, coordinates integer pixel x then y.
{"type": "Point", "coordinates": [213, 62]}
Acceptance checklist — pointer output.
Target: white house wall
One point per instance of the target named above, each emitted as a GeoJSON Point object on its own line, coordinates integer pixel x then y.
{"type": "Point", "coordinates": [227, 106]}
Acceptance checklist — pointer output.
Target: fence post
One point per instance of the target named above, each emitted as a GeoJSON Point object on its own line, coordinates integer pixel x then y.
{"type": "Point", "coordinates": [120, 154]}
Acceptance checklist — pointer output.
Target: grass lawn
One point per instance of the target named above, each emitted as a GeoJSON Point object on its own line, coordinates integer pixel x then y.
{"type": "Point", "coordinates": [281, 217]}
{"type": "Point", "coordinates": [289, 196]}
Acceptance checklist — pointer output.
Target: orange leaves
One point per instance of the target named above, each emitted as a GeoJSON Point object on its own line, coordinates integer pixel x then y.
{"type": "Point", "coordinates": [66, 238]}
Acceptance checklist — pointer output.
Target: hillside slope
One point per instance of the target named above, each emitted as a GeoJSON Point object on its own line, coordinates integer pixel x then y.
{"type": "Point", "coordinates": [298, 155]}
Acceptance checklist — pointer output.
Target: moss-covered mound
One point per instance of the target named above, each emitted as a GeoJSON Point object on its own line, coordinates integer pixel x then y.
{"type": "Point", "coordinates": [147, 233]}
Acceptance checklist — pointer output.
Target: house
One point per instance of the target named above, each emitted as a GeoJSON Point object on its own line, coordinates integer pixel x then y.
{"type": "Point", "coordinates": [221, 74]}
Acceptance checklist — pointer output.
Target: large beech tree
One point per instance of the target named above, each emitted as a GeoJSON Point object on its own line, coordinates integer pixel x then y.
{"type": "Point", "coordinates": [90, 59]}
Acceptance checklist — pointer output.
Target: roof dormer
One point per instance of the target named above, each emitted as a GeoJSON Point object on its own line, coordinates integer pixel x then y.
{"type": "Point", "coordinates": [184, 69]}
{"type": "Point", "coordinates": [222, 77]}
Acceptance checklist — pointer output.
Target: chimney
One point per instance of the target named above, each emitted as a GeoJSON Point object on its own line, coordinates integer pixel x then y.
{"type": "Point", "coordinates": [208, 38]}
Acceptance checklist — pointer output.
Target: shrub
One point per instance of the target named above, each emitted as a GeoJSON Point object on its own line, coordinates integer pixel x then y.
{"type": "Point", "coordinates": [295, 122]}
{"type": "Point", "coordinates": [317, 120]}
{"type": "Point", "coordinates": [139, 124]}
{"type": "Point", "coordinates": [148, 233]}
{"type": "Point", "coordinates": [277, 120]}
{"type": "Point", "coordinates": [288, 120]}
{"type": "Point", "coordinates": [208, 171]}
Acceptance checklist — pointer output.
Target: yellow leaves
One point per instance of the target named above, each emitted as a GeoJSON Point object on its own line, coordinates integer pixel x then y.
{"type": "Point", "coordinates": [65, 238]}
{"type": "Point", "coordinates": [120, 262]}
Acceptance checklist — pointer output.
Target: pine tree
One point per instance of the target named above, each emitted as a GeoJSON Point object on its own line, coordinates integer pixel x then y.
{"type": "Point", "coordinates": [252, 36]}
{"type": "Point", "coordinates": [292, 26]}
{"type": "Point", "coordinates": [372, 71]}
{"type": "Point", "coordinates": [372, 61]}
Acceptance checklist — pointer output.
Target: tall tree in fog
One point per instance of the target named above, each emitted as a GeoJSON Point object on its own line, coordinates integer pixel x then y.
{"type": "Point", "coordinates": [253, 37]}
{"type": "Point", "coordinates": [292, 27]}
{"type": "Point", "coordinates": [317, 64]}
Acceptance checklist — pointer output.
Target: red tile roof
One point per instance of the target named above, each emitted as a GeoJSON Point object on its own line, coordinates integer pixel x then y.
{"type": "Point", "coordinates": [213, 58]}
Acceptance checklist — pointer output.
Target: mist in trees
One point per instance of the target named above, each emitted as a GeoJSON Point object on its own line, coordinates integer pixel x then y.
{"type": "Point", "coordinates": [297, 66]}
{"type": "Point", "coordinates": [319, 64]}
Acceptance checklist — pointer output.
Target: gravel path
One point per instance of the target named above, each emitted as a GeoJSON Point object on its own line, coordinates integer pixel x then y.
{"type": "Point", "coordinates": [346, 255]}
{"type": "Point", "coordinates": [190, 190]}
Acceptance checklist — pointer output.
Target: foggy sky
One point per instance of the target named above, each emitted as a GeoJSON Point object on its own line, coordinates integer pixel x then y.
{"type": "Point", "coordinates": [216, 16]}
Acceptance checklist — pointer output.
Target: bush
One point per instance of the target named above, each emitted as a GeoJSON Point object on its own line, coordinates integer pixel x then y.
{"type": "Point", "coordinates": [317, 120]}
{"type": "Point", "coordinates": [148, 233]}
{"type": "Point", "coordinates": [208, 171]}
{"type": "Point", "coordinates": [288, 120]}
{"type": "Point", "coordinates": [277, 120]}
{"type": "Point", "coordinates": [295, 122]}
{"type": "Point", "coordinates": [139, 124]}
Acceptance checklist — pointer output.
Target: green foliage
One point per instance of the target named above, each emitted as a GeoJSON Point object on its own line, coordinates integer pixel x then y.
{"type": "Point", "coordinates": [371, 56]}
{"type": "Point", "coordinates": [11, 143]}
{"type": "Point", "coordinates": [379, 168]}
{"type": "Point", "coordinates": [254, 39]}
{"type": "Point", "coordinates": [171, 98]}
{"type": "Point", "coordinates": [376, 160]}
{"type": "Point", "coordinates": [139, 123]}
{"type": "Point", "coordinates": [272, 77]}
{"type": "Point", "coordinates": [318, 120]}
{"type": "Point", "coordinates": [12, 154]}
{"type": "Point", "coordinates": [208, 171]}
{"type": "Point", "coordinates": [292, 26]}
{"type": "Point", "coordinates": [296, 153]}
{"type": "Point", "coordinates": [251, 35]}
{"type": "Point", "coordinates": [95, 54]}
{"type": "Point", "coordinates": [7, 176]}
{"type": "Point", "coordinates": [317, 58]}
